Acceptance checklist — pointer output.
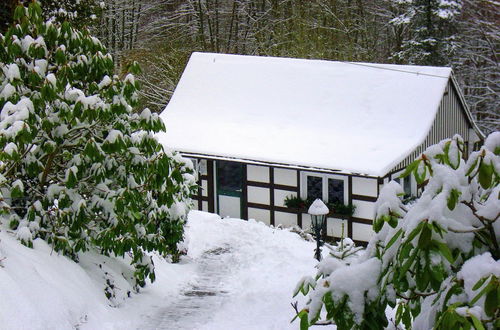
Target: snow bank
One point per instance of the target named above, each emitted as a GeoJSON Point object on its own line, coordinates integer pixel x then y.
{"type": "Point", "coordinates": [43, 290]}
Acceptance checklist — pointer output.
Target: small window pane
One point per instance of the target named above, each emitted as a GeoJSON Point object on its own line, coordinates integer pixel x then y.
{"type": "Point", "coordinates": [407, 186]}
{"type": "Point", "coordinates": [230, 176]}
{"type": "Point", "coordinates": [314, 187]}
{"type": "Point", "coordinates": [335, 191]}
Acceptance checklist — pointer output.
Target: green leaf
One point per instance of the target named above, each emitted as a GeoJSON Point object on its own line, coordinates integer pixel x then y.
{"type": "Point", "coordinates": [425, 237]}
{"type": "Point", "coordinates": [304, 323]}
{"type": "Point", "coordinates": [485, 175]}
{"type": "Point", "coordinates": [378, 224]}
{"type": "Point", "coordinates": [18, 13]}
{"type": "Point", "coordinates": [491, 303]}
{"type": "Point", "coordinates": [415, 232]}
{"type": "Point", "coordinates": [445, 251]}
{"type": "Point", "coordinates": [137, 214]}
{"type": "Point", "coordinates": [410, 168]}
{"type": "Point", "coordinates": [479, 283]}
{"type": "Point", "coordinates": [484, 291]}
{"type": "Point", "coordinates": [394, 238]}
{"type": "Point", "coordinates": [16, 192]}
{"type": "Point", "coordinates": [453, 198]}
{"type": "Point", "coordinates": [477, 324]}
{"type": "Point", "coordinates": [472, 167]}
{"type": "Point", "coordinates": [408, 263]}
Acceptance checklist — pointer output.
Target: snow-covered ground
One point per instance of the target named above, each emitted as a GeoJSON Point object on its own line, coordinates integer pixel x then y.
{"type": "Point", "coordinates": [237, 275]}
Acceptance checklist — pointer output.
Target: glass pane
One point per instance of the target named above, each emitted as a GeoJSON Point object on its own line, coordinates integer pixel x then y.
{"type": "Point", "coordinates": [230, 175]}
{"type": "Point", "coordinates": [335, 191]}
{"type": "Point", "coordinates": [407, 186]}
{"type": "Point", "coordinates": [314, 187]}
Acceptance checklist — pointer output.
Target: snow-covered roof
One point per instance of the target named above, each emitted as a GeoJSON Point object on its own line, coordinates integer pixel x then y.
{"type": "Point", "coordinates": [352, 117]}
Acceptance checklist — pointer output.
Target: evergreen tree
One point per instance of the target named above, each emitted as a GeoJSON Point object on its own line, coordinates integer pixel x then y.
{"type": "Point", "coordinates": [430, 38]}
{"type": "Point", "coordinates": [79, 168]}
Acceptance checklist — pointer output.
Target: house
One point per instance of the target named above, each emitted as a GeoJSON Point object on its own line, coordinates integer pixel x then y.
{"type": "Point", "coordinates": [261, 129]}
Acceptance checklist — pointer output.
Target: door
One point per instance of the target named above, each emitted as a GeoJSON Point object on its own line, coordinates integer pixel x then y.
{"type": "Point", "coordinates": [229, 188]}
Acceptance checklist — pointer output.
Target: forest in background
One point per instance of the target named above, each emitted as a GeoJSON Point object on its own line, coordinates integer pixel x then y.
{"type": "Point", "coordinates": [161, 35]}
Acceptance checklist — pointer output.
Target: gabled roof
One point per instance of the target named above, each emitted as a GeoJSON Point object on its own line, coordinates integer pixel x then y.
{"type": "Point", "coordinates": [352, 117]}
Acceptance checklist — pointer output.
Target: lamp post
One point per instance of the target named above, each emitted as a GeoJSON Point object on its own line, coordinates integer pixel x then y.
{"type": "Point", "coordinates": [318, 212]}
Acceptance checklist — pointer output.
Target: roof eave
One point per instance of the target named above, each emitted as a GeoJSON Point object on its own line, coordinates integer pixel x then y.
{"type": "Point", "coordinates": [275, 164]}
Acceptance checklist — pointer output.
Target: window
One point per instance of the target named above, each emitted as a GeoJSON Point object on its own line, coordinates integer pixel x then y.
{"type": "Point", "coordinates": [335, 191]}
{"type": "Point", "coordinates": [229, 176]}
{"type": "Point", "coordinates": [407, 186]}
{"type": "Point", "coordinates": [330, 188]}
{"type": "Point", "coordinates": [314, 187]}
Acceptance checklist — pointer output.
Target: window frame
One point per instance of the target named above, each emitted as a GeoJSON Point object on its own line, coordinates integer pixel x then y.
{"type": "Point", "coordinates": [324, 177]}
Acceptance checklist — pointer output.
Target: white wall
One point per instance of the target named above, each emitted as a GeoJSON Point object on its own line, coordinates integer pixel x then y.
{"type": "Point", "coordinates": [280, 195]}
{"type": "Point", "coordinates": [306, 222]}
{"type": "Point", "coordinates": [285, 219]}
{"type": "Point", "coordinates": [204, 188]}
{"type": "Point", "coordinates": [334, 227]}
{"type": "Point", "coordinates": [285, 177]}
{"type": "Point", "coordinates": [364, 186]}
{"type": "Point", "coordinates": [260, 215]}
{"type": "Point", "coordinates": [362, 232]}
{"type": "Point", "coordinates": [364, 209]}
{"type": "Point", "coordinates": [258, 195]}
{"type": "Point", "coordinates": [258, 173]}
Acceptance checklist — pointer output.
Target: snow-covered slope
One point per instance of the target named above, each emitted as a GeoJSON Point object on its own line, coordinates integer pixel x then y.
{"type": "Point", "coordinates": [355, 117]}
{"type": "Point", "coordinates": [237, 275]}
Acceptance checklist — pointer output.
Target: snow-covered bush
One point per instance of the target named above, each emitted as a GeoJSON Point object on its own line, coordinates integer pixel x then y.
{"type": "Point", "coordinates": [436, 262]}
{"type": "Point", "coordinates": [79, 168]}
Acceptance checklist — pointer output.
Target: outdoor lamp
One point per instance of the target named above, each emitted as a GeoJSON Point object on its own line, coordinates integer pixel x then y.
{"type": "Point", "coordinates": [318, 211]}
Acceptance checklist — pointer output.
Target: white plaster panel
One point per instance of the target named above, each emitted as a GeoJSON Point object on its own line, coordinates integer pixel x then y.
{"type": "Point", "coordinates": [362, 232]}
{"type": "Point", "coordinates": [202, 166]}
{"type": "Point", "coordinates": [280, 195]}
{"type": "Point", "coordinates": [364, 209]}
{"type": "Point", "coordinates": [285, 177]}
{"type": "Point", "coordinates": [204, 188]}
{"type": "Point", "coordinates": [285, 219]}
{"type": "Point", "coordinates": [259, 215]}
{"type": "Point", "coordinates": [334, 227]}
{"type": "Point", "coordinates": [364, 186]}
{"type": "Point", "coordinates": [306, 222]}
{"type": "Point", "coordinates": [229, 206]}
{"type": "Point", "coordinates": [258, 173]}
{"type": "Point", "coordinates": [204, 206]}
{"type": "Point", "coordinates": [258, 195]}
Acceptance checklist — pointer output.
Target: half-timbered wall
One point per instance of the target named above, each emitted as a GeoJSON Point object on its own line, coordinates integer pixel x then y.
{"type": "Point", "coordinates": [443, 127]}
{"type": "Point", "coordinates": [266, 188]}
{"type": "Point", "coordinates": [203, 198]}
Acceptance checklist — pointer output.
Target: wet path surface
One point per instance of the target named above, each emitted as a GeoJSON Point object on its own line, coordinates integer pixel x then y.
{"type": "Point", "coordinates": [200, 299]}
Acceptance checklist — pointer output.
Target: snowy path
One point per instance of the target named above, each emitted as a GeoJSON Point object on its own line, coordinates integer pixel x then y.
{"type": "Point", "coordinates": [197, 301]}
{"type": "Point", "coordinates": [243, 277]}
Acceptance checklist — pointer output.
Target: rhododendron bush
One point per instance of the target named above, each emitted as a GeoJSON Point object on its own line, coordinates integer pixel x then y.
{"type": "Point", "coordinates": [435, 262]}
{"type": "Point", "coordinates": [79, 168]}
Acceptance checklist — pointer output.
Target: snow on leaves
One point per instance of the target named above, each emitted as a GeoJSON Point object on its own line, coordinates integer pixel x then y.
{"type": "Point", "coordinates": [80, 169]}
{"type": "Point", "coordinates": [436, 262]}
